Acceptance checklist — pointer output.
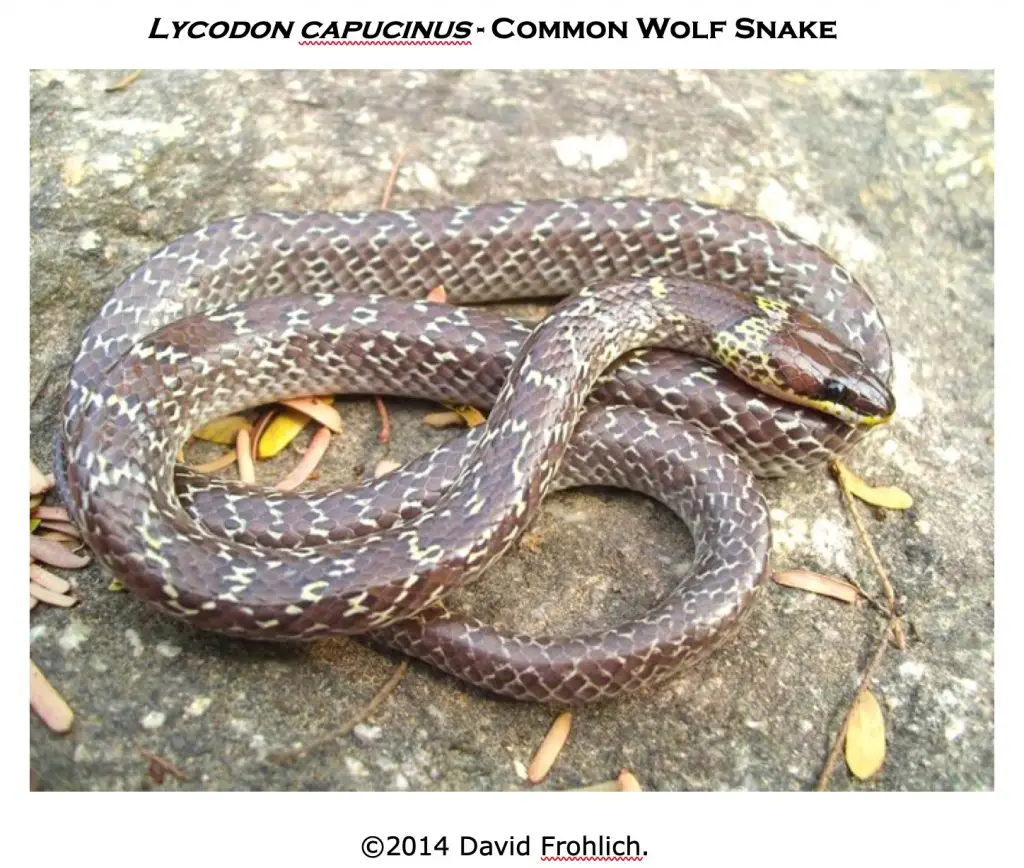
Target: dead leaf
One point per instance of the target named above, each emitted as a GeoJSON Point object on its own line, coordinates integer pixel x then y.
{"type": "Point", "coordinates": [63, 527]}
{"type": "Point", "coordinates": [47, 702]}
{"type": "Point", "coordinates": [384, 467]}
{"type": "Point", "coordinates": [550, 748]}
{"type": "Point", "coordinates": [225, 460]}
{"type": "Point", "coordinates": [438, 295]}
{"type": "Point", "coordinates": [45, 595]}
{"type": "Point", "coordinates": [259, 427]}
{"type": "Point", "coordinates": [444, 419]}
{"type": "Point", "coordinates": [284, 428]}
{"type": "Point", "coordinates": [222, 431]}
{"type": "Point", "coordinates": [886, 496]}
{"type": "Point", "coordinates": [865, 737]}
{"type": "Point", "coordinates": [246, 470]}
{"type": "Point", "coordinates": [38, 482]}
{"type": "Point", "coordinates": [55, 554]}
{"type": "Point", "coordinates": [51, 513]}
{"type": "Point", "coordinates": [612, 786]}
{"type": "Point", "coordinates": [124, 82]}
{"type": "Point", "coordinates": [816, 583]}
{"type": "Point", "coordinates": [319, 409]}
{"type": "Point", "coordinates": [470, 415]}
{"type": "Point", "coordinates": [628, 782]}
{"type": "Point", "coordinates": [74, 543]}
{"type": "Point", "coordinates": [310, 459]}
{"type": "Point", "coordinates": [44, 577]}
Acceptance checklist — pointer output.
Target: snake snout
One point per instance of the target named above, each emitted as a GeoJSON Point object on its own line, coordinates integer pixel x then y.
{"type": "Point", "coordinates": [873, 401]}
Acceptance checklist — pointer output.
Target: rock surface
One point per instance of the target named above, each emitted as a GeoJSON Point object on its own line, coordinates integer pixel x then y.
{"type": "Point", "coordinates": [891, 171]}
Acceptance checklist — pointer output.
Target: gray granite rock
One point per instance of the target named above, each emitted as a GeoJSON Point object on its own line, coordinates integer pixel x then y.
{"type": "Point", "coordinates": [892, 171]}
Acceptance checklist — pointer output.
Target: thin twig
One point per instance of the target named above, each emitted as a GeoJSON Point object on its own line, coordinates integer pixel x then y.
{"type": "Point", "coordinates": [893, 629]}
{"type": "Point", "coordinates": [385, 421]}
{"type": "Point", "coordinates": [389, 187]}
{"type": "Point", "coordinates": [872, 554]}
{"type": "Point", "coordinates": [165, 765]}
{"type": "Point", "coordinates": [284, 756]}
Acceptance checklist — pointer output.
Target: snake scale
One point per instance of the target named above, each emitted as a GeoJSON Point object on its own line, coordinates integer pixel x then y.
{"type": "Point", "coordinates": [696, 345]}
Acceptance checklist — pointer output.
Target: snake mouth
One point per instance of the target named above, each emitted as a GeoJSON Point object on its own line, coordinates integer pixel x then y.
{"type": "Point", "coordinates": [874, 421]}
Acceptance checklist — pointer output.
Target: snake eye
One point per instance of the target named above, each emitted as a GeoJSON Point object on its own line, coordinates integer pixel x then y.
{"type": "Point", "coordinates": [835, 392]}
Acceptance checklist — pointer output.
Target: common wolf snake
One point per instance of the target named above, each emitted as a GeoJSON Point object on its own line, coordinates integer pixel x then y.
{"type": "Point", "coordinates": [211, 323]}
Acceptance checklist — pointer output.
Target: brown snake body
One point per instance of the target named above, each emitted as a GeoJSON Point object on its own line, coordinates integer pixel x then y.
{"type": "Point", "coordinates": [175, 345]}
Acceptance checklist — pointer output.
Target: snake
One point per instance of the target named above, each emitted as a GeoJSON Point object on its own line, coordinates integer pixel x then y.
{"type": "Point", "coordinates": [695, 348]}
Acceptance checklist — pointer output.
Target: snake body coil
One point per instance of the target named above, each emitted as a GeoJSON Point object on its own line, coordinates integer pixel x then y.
{"type": "Point", "coordinates": [211, 324]}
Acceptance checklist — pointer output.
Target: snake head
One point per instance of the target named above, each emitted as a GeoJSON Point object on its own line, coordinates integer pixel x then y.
{"type": "Point", "coordinates": [807, 364]}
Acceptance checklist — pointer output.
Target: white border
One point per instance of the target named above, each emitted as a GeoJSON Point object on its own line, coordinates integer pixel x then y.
{"type": "Point", "coordinates": [680, 828]}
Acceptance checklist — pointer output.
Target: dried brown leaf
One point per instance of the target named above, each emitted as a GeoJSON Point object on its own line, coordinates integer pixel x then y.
{"type": "Point", "coordinates": [53, 553]}
{"type": "Point", "coordinates": [550, 748]}
{"type": "Point", "coordinates": [51, 513]}
{"type": "Point", "coordinates": [44, 577]}
{"type": "Point", "coordinates": [246, 470]}
{"type": "Point", "coordinates": [74, 543]}
{"type": "Point", "coordinates": [45, 595]}
{"type": "Point", "coordinates": [48, 703]}
{"type": "Point", "coordinates": [309, 461]}
{"type": "Point", "coordinates": [628, 782]}
{"type": "Point", "coordinates": [438, 295]}
{"type": "Point", "coordinates": [817, 583]}
{"type": "Point", "coordinates": [225, 460]}
{"type": "Point", "coordinates": [64, 527]}
{"type": "Point", "coordinates": [318, 409]}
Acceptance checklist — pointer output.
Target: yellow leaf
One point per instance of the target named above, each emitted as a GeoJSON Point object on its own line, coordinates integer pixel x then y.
{"type": "Point", "coordinates": [470, 415]}
{"type": "Point", "coordinates": [115, 585]}
{"type": "Point", "coordinates": [33, 523]}
{"type": "Point", "coordinates": [222, 431]}
{"type": "Point", "coordinates": [284, 428]}
{"type": "Point", "coordinates": [886, 496]}
{"type": "Point", "coordinates": [865, 737]}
